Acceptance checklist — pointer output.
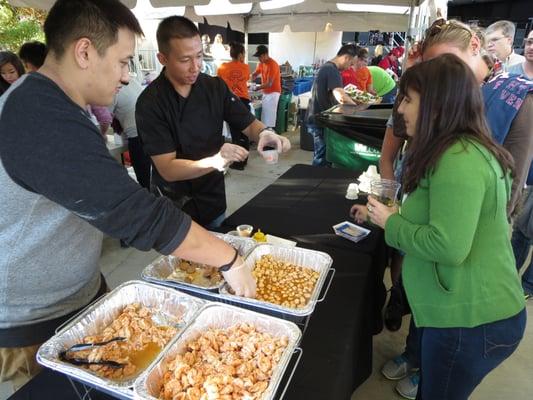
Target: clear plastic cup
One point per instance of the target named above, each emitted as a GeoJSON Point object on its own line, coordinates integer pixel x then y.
{"type": "Point", "coordinates": [245, 230]}
{"type": "Point", "coordinates": [385, 191]}
{"type": "Point", "coordinates": [270, 156]}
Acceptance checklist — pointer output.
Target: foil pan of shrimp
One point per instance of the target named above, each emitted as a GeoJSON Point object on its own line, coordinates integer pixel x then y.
{"type": "Point", "coordinates": [115, 339]}
{"type": "Point", "coordinates": [225, 353]}
{"type": "Point", "coordinates": [289, 281]}
{"type": "Point", "coordinates": [183, 274]}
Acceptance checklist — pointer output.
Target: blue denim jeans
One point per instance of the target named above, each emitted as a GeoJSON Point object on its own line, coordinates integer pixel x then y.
{"type": "Point", "coordinates": [455, 360]}
{"type": "Point", "coordinates": [412, 346]}
{"type": "Point", "coordinates": [216, 222]}
{"type": "Point", "coordinates": [319, 153]}
{"type": "Point", "coordinates": [390, 97]}
{"type": "Point", "coordinates": [521, 245]}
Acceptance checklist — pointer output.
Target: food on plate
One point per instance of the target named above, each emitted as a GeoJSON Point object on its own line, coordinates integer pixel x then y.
{"type": "Point", "coordinates": [134, 342]}
{"type": "Point", "coordinates": [283, 283]}
{"type": "Point", "coordinates": [230, 363]}
{"type": "Point", "coordinates": [361, 97]}
{"type": "Point", "coordinates": [196, 274]}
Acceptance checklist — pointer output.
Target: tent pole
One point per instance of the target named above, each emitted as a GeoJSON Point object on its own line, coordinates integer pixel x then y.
{"type": "Point", "coordinates": [409, 37]}
{"type": "Point", "coordinates": [246, 21]}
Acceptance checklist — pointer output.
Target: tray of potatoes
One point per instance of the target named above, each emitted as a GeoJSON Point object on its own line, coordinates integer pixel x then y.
{"type": "Point", "coordinates": [289, 280]}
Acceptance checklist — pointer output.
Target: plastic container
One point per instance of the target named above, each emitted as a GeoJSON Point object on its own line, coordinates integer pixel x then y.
{"type": "Point", "coordinates": [270, 156]}
{"type": "Point", "coordinates": [245, 230]}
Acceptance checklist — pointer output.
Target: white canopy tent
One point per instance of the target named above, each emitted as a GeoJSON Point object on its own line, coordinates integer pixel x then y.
{"type": "Point", "coordinates": [309, 16]}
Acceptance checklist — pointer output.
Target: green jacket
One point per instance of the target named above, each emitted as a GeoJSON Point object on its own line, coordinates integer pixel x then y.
{"type": "Point", "coordinates": [459, 269]}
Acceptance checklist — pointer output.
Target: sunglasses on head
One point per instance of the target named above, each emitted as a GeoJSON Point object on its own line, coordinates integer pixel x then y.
{"type": "Point", "coordinates": [441, 25]}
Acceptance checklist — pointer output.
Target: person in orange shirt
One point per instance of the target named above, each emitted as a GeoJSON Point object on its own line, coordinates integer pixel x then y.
{"type": "Point", "coordinates": [270, 84]}
{"type": "Point", "coordinates": [359, 74]}
{"type": "Point", "coordinates": [236, 75]}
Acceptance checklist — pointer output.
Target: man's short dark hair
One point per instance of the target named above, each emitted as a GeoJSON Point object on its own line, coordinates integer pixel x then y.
{"type": "Point", "coordinates": [349, 49]}
{"type": "Point", "coordinates": [97, 20]}
{"type": "Point", "coordinates": [236, 49]}
{"type": "Point", "coordinates": [174, 28]}
{"type": "Point", "coordinates": [33, 53]}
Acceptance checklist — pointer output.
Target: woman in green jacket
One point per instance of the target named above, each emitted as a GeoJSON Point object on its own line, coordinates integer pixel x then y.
{"type": "Point", "coordinates": [459, 273]}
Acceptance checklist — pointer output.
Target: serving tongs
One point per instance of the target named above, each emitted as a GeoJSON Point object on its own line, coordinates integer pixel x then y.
{"type": "Point", "coordinates": [86, 346]}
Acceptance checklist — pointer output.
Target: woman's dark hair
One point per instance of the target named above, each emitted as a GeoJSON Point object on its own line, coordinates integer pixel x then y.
{"type": "Point", "coordinates": [235, 50]}
{"type": "Point", "coordinates": [97, 20]}
{"type": "Point", "coordinates": [7, 57]}
{"type": "Point", "coordinates": [451, 108]}
{"type": "Point", "coordinates": [362, 53]}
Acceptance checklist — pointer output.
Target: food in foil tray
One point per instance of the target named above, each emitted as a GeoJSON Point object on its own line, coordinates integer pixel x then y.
{"type": "Point", "coordinates": [282, 283]}
{"type": "Point", "coordinates": [361, 97]}
{"type": "Point", "coordinates": [196, 274]}
{"type": "Point", "coordinates": [231, 363]}
{"type": "Point", "coordinates": [125, 347]}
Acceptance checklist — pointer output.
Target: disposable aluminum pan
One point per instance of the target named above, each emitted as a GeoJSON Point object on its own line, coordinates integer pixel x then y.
{"type": "Point", "coordinates": [160, 270]}
{"type": "Point", "coordinates": [148, 385]}
{"type": "Point", "coordinates": [316, 260]}
{"type": "Point", "coordinates": [167, 303]}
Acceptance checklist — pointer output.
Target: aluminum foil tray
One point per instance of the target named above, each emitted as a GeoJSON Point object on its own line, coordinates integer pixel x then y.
{"type": "Point", "coordinates": [160, 269]}
{"type": "Point", "coordinates": [315, 260]}
{"type": "Point", "coordinates": [220, 316]}
{"type": "Point", "coordinates": [167, 304]}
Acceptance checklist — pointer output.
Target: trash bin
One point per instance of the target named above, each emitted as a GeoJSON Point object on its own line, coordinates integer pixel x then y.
{"type": "Point", "coordinates": [283, 109]}
{"type": "Point", "coordinates": [344, 152]}
{"type": "Point", "coordinates": [306, 139]}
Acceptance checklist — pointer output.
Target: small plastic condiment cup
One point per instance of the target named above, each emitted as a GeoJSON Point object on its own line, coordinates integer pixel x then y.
{"type": "Point", "coordinates": [245, 230]}
{"type": "Point", "coordinates": [270, 156]}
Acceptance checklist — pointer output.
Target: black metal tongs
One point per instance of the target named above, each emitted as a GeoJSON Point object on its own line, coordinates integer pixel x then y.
{"type": "Point", "coordinates": [86, 346]}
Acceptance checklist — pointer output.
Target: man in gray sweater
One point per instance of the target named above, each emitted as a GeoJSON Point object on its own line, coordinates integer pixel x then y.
{"type": "Point", "coordinates": [61, 189]}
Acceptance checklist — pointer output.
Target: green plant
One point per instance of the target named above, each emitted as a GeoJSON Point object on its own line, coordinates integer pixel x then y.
{"type": "Point", "coordinates": [19, 25]}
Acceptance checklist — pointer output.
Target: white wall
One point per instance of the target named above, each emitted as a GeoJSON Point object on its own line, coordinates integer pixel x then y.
{"type": "Point", "coordinates": [303, 48]}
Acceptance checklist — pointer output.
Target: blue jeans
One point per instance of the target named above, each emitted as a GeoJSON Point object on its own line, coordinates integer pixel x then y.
{"type": "Point", "coordinates": [216, 222]}
{"type": "Point", "coordinates": [455, 360]}
{"type": "Point", "coordinates": [412, 345]}
{"type": "Point", "coordinates": [390, 97]}
{"type": "Point", "coordinates": [319, 153]}
{"type": "Point", "coordinates": [521, 245]}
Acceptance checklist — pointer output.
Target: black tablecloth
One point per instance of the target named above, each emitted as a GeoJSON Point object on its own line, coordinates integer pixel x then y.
{"type": "Point", "coordinates": [302, 205]}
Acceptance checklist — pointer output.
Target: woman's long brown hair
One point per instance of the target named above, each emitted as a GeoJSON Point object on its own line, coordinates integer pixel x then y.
{"type": "Point", "coordinates": [451, 108]}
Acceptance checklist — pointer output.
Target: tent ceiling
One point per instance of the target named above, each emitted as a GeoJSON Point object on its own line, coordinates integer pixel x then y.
{"type": "Point", "coordinates": [325, 5]}
{"type": "Point", "coordinates": [316, 22]}
{"type": "Point", "coordinates": [309, 16]}
{"type": "Point", "coordinates": [47, 4]}
{"type": "Point", "coordinates": [405, 3]}
{"type": "Point", "coordinates": [178, 3]}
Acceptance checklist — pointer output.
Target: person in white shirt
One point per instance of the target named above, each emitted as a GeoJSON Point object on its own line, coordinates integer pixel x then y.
{"type": "Point", "coordinates": [525, 68]}
{"type": "Point", "coordinates": [499, 39]}
{"type": "Point", "coordinates": [123, 110]}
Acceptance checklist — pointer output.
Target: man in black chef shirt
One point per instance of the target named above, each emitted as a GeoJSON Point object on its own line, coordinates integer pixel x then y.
{"type": "Point", "coordinates": [179, 118]}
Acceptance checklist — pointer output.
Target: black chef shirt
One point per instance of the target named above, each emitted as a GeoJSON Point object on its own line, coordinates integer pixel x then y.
{"type": "Point", "coordinates": [192, 127]}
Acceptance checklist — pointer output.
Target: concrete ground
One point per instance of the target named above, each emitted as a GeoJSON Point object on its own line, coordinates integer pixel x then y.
{"type": "Point", "coordinates": [512, 380]}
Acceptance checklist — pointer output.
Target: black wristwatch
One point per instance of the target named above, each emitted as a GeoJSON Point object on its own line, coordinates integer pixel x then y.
{"type": "Point", "coordinates": [227, 266]}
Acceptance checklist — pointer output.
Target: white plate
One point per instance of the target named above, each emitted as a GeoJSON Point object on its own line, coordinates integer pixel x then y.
{"type": "Point", "coordinates": [275, 240]}
{"type": "Point", "coordinates": [350, 231]}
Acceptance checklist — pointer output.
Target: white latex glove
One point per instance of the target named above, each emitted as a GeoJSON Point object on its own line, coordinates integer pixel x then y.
{"type": "Point", "coordinates": [240, 279]}
{"type": "Point", "coordinates": [232, 152]}
{"type": "Point", "coordinates": [272, 139]}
